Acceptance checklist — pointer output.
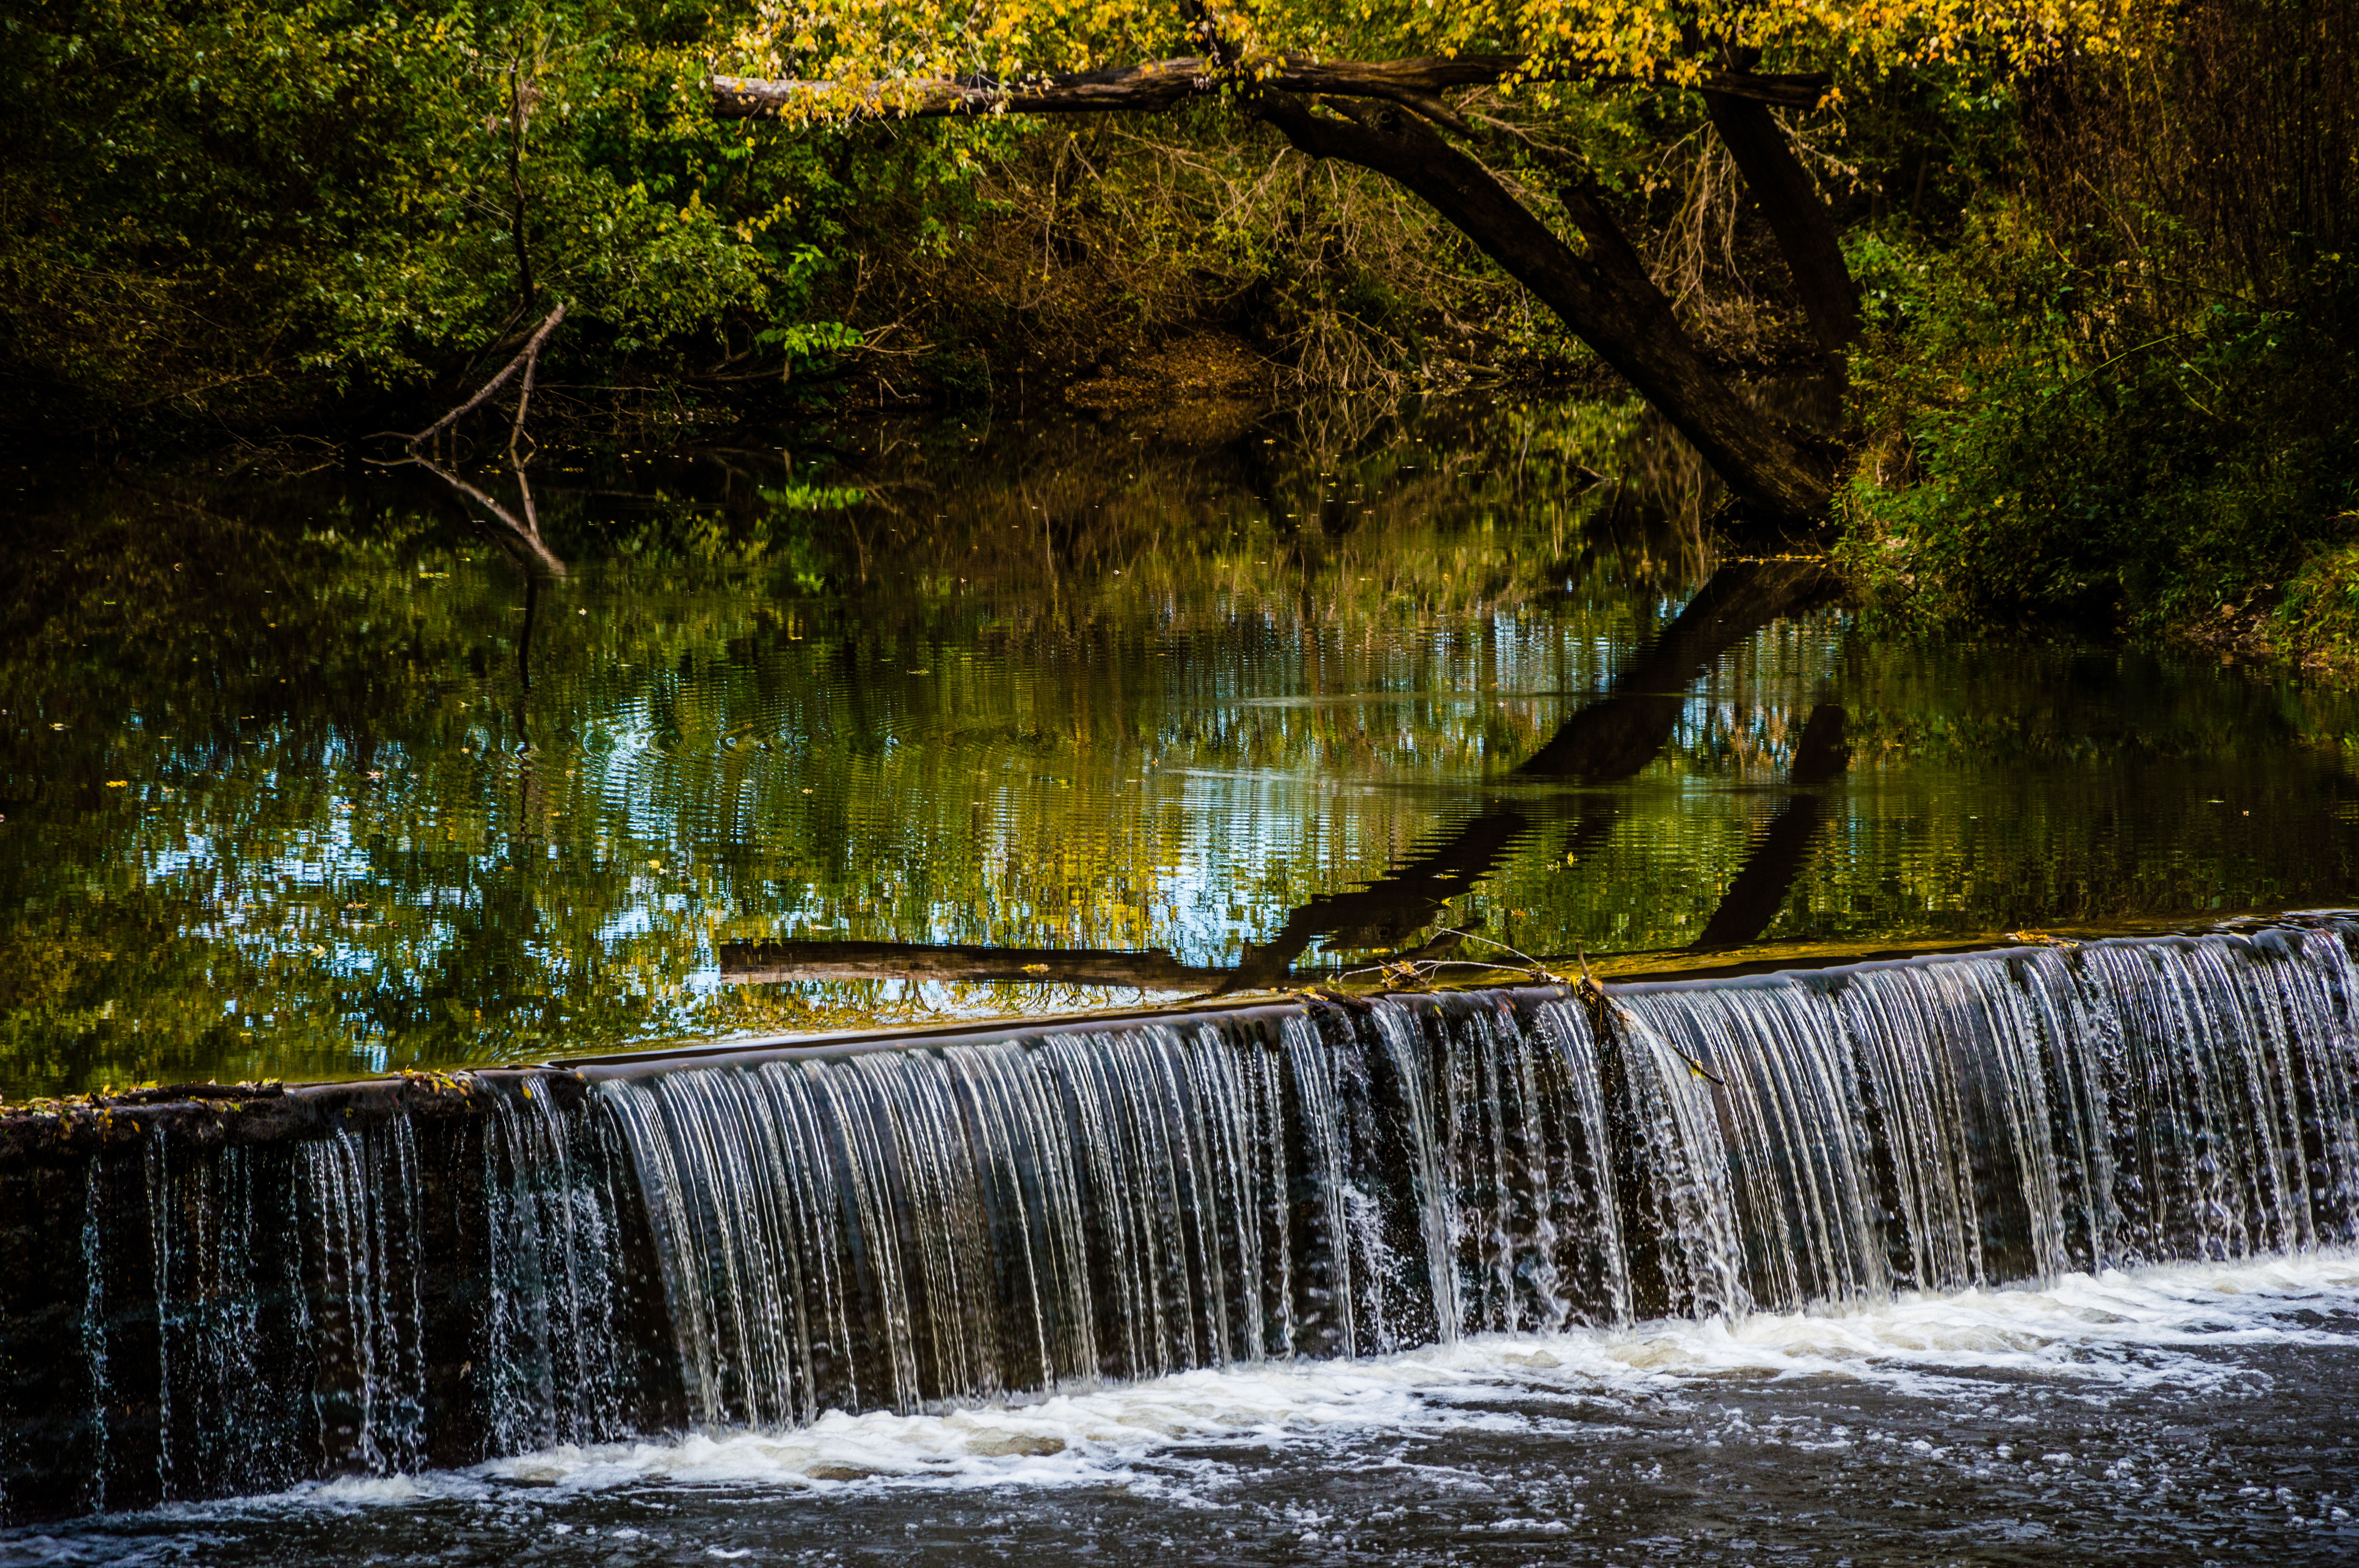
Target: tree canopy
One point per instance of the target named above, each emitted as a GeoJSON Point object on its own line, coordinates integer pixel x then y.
{"type": "Point", "coordinates": [1370, 85]}
{"type": "Point", "coordinates": [858, 56]}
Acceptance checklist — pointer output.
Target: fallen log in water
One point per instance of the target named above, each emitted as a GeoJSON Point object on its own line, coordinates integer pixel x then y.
{"type": "Point", "coordinates": [768, 963]}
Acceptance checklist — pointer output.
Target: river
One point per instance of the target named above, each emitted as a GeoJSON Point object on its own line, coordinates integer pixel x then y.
{"type": "Point", "coordinates": [317, 774]}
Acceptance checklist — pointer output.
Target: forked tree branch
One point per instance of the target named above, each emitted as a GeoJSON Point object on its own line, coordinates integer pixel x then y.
{"type": "Point", "coordinates": [527, 359]}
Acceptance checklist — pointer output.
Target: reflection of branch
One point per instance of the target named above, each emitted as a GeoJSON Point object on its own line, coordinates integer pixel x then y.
{"type": "Point", "coordinates": [766, 963]}
{"type": "Point", "coordinates": [1403, 900]}
{"type": "Point", "coordinates": [1759, 892]}
{"type": "Point", "coordinates": [1614, 738]}
{"type": "Point", "coordinates": [519, 539]}
{"type": "Point", "coordinates": [1611, 739]}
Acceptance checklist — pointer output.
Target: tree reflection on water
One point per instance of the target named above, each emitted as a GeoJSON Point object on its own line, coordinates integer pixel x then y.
{"type": "Point", "coordinates": [310, 776]}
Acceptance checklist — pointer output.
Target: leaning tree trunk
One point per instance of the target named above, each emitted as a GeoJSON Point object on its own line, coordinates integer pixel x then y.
{"type": "Point", "coordinates": [1797, 215]}
{"type": "Point", "coordinates": [1604, 297]}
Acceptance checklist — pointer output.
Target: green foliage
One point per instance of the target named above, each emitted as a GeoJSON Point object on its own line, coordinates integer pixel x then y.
{"type": "Point", "coordinates": [2034, 467]}
{"type": "Point", "coordinates": [2123, 394]}
{"type": "Point", "coordinates": [247, 209]}
{"type": "Point", "coordinates": [2319, 616]}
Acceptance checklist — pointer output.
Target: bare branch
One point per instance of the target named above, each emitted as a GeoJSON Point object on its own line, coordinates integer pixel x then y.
{"type": "Point", "coordinates": [529, 356]}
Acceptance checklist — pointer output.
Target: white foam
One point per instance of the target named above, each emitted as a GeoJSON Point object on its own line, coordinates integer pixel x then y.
{"type": "Point", "coordinates": [2117, 1327]}
{"type": "Point", "coordinates": [1062, 1440]}
{"type": "Point", "coordinates": [2131, 1330]}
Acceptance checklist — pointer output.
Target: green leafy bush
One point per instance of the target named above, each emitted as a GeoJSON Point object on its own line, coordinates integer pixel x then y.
{"type": "Point", "coordinates": [254, 208]}
{"type": "Point", "coordinates": [2029, 471]}
{"type": "Point", "coordinates": [2126, 397]}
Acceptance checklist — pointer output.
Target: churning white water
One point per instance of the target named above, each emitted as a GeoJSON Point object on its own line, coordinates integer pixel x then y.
{"type": "Point", "coordinates": [2177, 1413]}
{"type": "Point", "coordinates": [2138, 1332]}
{"type": "Point", "coordinates": [2169, 1413]}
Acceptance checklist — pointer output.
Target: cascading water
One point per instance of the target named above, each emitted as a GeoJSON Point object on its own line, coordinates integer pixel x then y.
{"type": "Point", "coordinates": [756, 1241]}
{"type": "Point", "coordinates": [385, 1291]}
{"type": "Point", "coordinates": [894, 1228]}
{"type": "Point", "coordinates": [902, 1228]}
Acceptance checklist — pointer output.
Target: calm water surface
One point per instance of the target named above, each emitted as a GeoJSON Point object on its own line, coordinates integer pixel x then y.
{"type": "Point", "coordinates": [315, 776]}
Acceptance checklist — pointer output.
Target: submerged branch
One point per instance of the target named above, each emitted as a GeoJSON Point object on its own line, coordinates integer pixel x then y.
{"type": "Point", "coordinates": [767, 963]}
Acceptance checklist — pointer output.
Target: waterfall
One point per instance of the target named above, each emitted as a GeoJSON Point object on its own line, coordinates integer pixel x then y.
{"type": "Point", "coordinates": [210, 1297]}
{"type": "Point", "coordinates": [388, 1290]}
{"type": "Point", "coordinates": [904, 1229]}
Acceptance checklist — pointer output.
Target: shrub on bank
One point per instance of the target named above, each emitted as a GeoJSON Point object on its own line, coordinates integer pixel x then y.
{"type": "Point", "coordinates": [2126, 398]}
{"type": "Point", "coordinates": [2026, 466]}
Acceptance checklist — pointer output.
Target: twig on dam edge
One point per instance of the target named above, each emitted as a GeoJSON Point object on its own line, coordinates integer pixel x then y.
{"type": "Point", "coordinates": [1604, 1011]}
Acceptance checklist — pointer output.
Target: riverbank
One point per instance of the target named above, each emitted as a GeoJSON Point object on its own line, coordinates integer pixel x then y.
{"type": "Point", "coordinates": [2046, 450]}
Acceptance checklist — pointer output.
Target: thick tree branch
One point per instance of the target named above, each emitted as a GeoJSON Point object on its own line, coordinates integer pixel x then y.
{"type": "Point", "coordinates": [1797, 213]}
{"type": "Point", "coordinates": [1626, 321]}
{"type": "Point", "coordinates": [1381, 116]}
{"type": "Point", "coordinates": [1164, 83]}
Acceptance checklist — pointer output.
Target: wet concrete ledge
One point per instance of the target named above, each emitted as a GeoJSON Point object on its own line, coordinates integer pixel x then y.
{"type": "Point", "coordinates": [211, 1115]}
{"type": "Point", "coordinates": [1506, 984]}
{"type": "Point", "coordinates": [221, 1115]}
{"type": "Point", "coordinates": [1511, 986]}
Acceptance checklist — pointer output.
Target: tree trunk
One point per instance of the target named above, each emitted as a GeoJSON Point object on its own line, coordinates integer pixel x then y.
{"type": "Point", "coordinates": [1797, 216]}
{"type": "Point", "coordinates": [1606, 297]}
{"type": "Point", "coordinates": [1631, 328]}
